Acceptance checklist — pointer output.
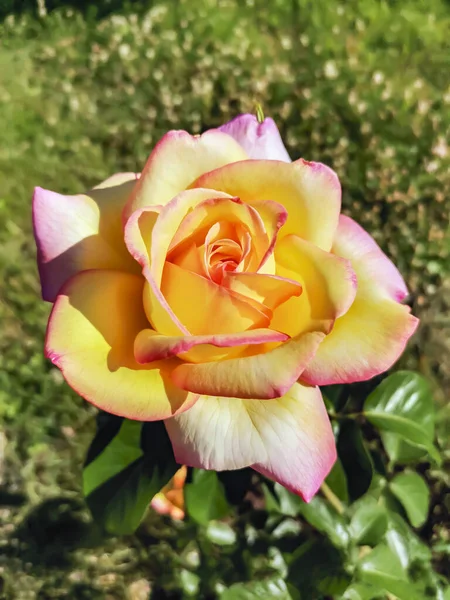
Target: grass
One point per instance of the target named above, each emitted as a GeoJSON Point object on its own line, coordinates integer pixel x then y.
{"type": "Point", "coordinates": [359, 85]}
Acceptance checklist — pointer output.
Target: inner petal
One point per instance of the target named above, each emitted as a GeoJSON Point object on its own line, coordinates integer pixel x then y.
{"type": "Point", "coordinates": [226, 246]}
{"type": "Point", "coordinates": [328, 282]}
{"type": "Point", "coordinates": [222, 254]}
{"type": "Point", "coordinates": [205, 307]}
{"type": "Point", "coordinates": [221, 238]}
{"type": "Point", "coordinates": [218, 222]}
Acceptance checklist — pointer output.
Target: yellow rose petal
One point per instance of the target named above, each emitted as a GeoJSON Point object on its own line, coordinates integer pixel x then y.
{"type": "Point", "coordinates": [328, 282]}
{"type": "Point", "coordinates": [269, 290]}
{"type": "Point", "coordinates": [310, 193]}
{"type": "Point", "coordinates": [179, 159]}
{"type": "Point", "coordinates": [205, 307]}
{"type": "Point", "coordinates": [150, 345]}
{"type": "Point", "coordinates": [90, 337]}
{"type": "Point", "coordinates": [261, 376]}
{"type": "Point", "coordinates": [370, 337]}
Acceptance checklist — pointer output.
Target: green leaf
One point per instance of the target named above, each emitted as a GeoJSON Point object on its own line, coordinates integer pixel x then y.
{"type": "Point", "coordinates": [120, 479]}
{"type": "Point", "coordinates": [442, 547]}
{"type": "Point", "coordinates": [271, 504]}
{"type": "Point", "coordinates": [220, 533]}
{"type": "Point", "coordinates": [363, 591]}
{"type": "Point", "coordinates": [289, 504]}
{"type": "Point", "coordinates": [401, 404]}
{"type": "Point", "coordinates": [107, 428]}
{"type": "Point", "coordinates": [413, 493]}
{"type": "Point", "coordinates": [295, 593]}
{"type": "Point", "coordinates": [286, 528]}
{"type": "Point", "coordinates": [382, 568]}
{"type": "Point", "coordinates": [325, 519]}
{"type": "Point", "coordinates": [205, 497]}
{"type": "Point", "coordinates": [317, 569]}
{"type": "Point", "coordinates": [337, 395]}
{"type": "Point", "coordinates": [355, 459]}
{"type": "Point", "coordinates": [276, 562]}
{"type": "Point", "coordinates": [400, 451]}
{"type": "Point", "coordinates": [368, 524]}
{"type": "Point", "coordinates": [119, 451]}
{"type": "Point", "coordinates": [318, 513]}
{"type": "Point", "coordinates": [328, 405]}
{"type": "Point", "coordinates": [190, 583]}
{"type": "Point", "coordinates": [414, 556]}
{"type": "Point", "coordinates": [337, 481]}
{"type": "Point", "coordinates": [258, 590]}
{"type": "Point", "coordinates": [404, 542]}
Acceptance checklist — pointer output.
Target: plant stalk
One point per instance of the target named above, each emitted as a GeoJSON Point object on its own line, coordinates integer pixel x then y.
{"type": "Point", "coordinates": [332, 498]}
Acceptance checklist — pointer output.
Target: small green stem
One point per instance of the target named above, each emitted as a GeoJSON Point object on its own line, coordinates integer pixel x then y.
{"type": "Point", "coordinates": [259, 113]}
{"type": "Point", "coordinates": [332, 498]}
{"type": "Point", "coordinates": [354, 415]}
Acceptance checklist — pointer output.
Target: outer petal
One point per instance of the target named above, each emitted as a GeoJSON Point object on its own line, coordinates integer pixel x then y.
{"type": "Point", "coordinates": [90, 337]}
{"type": "Point", "coordinates": [264, 376]}
{"type": "Point", "coordinates": [310, 192]}
{"type": "Point", "coordinates": [371, 336]}
{"type": "Point", "coordinates": [75, 233]}
{"type": "Point", "coordinates": [150, 345]}
{"type": "Point", "coordinates": [179, 159]}
{"type": "Point", "coordinates": [117, 179]}
{"type": "Point", "coordinates": [259, 140]}
{"type": "Point", "coordinates": [328, 282]}
{"type": "Point", "coordinates": [376, 273]}
{"type": "Point", "coordinates": [364, 342]}
{"type": "Point", "coordinates": [288, 439]}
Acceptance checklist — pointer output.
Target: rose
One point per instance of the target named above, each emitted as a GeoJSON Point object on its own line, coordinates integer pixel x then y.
{"type": "Point", "coordinates": [216, 291]}
{"type": "Point", "coordinates": [170, 500]}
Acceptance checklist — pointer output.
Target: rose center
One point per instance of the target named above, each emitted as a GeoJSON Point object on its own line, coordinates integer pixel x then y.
{"type": "Point", "coordinates": [225, 248]}
{"type": "Point", "coordinates": [224, 255]}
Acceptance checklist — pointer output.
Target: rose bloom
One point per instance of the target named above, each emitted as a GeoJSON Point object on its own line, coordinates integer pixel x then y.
{"type": "Point", "coordinates": [216, 291]}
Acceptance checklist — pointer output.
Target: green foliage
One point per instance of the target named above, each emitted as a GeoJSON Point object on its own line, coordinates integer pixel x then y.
{"type": "Point", "coordinates": [220, 533]}
{"type": "Point", "coordinates": [402, 404]}
{"type": "Point", "coordinates": [382, 569]}
{"type": "Point", "coordinates": [361, 86]}
{"type": "Point", "coordinates": [360, 548]}
{"type": "Point", "coordinates": [355, 458]}
{"type": "Point", "coordinates": [205, 497]}
{"type": "Point", "coordinates": [317, 570]}
{"type": "Point", "coordinates": [132, 462]}
{"type": "Point", "coordinates": [337, 481]}
{"type": "Point", "coordinates": [275, 588]}
{"type": "Point", "coordinates": [412, 491]}
{"type": "Point", "coordinates": [368, 523]}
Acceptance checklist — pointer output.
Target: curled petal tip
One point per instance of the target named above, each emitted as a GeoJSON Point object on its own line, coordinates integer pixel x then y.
{"type": "Point", "coordinates": [258, 136]}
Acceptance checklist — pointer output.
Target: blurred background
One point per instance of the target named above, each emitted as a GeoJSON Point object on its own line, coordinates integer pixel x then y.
{"type": "Point", "coordinates": [86, 90]}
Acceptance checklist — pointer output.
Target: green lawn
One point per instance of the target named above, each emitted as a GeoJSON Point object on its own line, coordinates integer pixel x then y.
{"type": "Point", "coordinates": [363, 86]}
